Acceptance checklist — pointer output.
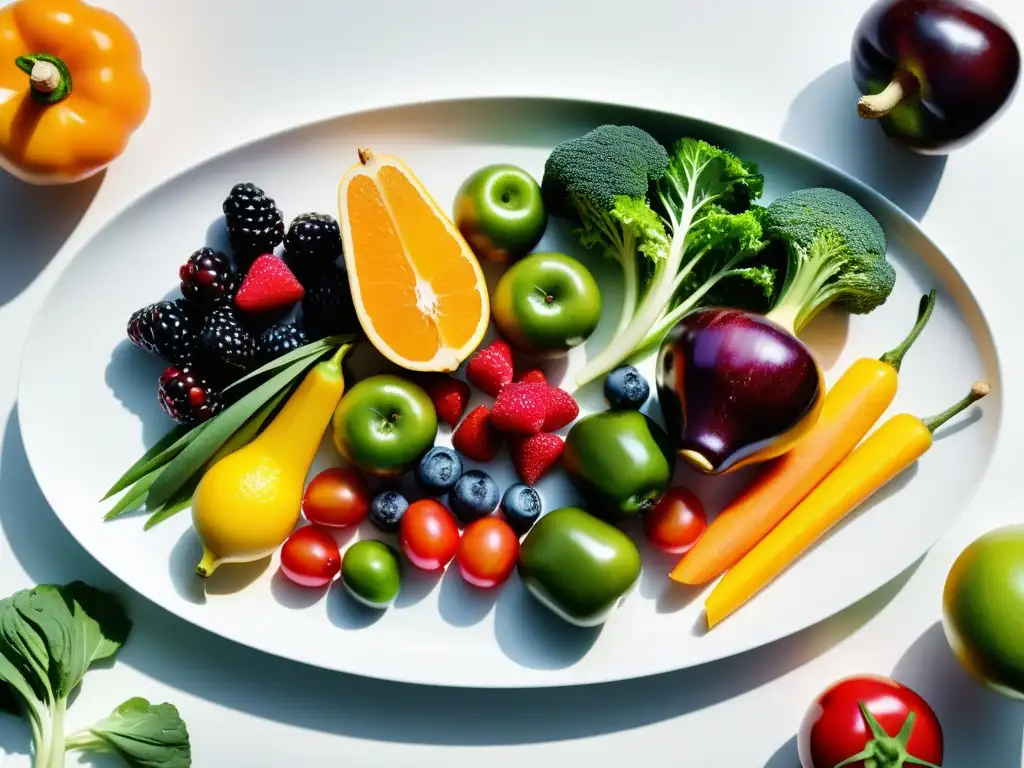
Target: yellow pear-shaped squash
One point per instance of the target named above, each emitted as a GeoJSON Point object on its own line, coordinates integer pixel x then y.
{"type": "Point", "coordinates": [249, 502]}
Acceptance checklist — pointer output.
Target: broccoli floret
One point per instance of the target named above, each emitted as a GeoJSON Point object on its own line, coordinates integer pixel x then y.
{"type": "Point", "coordinates": [588, 177]}
{"type": "Point", "coordinates": [836, 253]}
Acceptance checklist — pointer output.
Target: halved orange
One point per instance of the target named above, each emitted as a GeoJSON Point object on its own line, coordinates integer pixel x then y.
{"type": "Point", "coordinates": [418, 289]}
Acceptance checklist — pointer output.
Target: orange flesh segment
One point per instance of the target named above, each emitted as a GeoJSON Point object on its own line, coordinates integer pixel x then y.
{"type": "Point", "coordinates": [438, 260]}
{"type": "Point", "coordinates": [387, 282]}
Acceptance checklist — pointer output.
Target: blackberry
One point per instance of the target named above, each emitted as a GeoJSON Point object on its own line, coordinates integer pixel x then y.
{"type": "Point", "coordinates": [255, 224]}
{"type": "Point", "coordinates": [208, 279]}
{"type": "Point", "coordinates": [186, 396]}
{"type": "Point", "coordinates": [226, 348]}
{"type": "Point", "coordinates": [279, 340]}
{"type": "Point", "coordinates": [312, 244]}
{"type": "Point", "coordinates": [327, 307]}
{"type": "Point", "coordinates": [167, 329]}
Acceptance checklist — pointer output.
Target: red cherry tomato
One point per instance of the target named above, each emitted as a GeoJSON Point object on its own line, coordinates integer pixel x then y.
{"type": "Point", "coordinates": [336, 497]}
{"type": "Point", "coordinates": [676, 521]}
{"type": "Point", "coordinates": [310, 557]}
{"type": "Point", "coordinates": [428, 535]}
{"type": "Point", "coordinates": [488, 552]}
{"type": "Point", "coordinates": [834, 728]}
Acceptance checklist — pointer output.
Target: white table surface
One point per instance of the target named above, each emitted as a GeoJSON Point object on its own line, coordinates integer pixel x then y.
{"type": "Point", "coordinates": [227, 71]}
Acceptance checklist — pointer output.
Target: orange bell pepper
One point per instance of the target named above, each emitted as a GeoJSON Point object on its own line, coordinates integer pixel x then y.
{"type": "Point", "coordinates": [72, 89]}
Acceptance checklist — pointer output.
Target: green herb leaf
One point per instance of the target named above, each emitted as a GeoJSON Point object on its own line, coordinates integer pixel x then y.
{"type": "Point", "coordinates": [103, 623]}
{"type": "Point", "coordinates": [165, 449]}
{"type": "Point", "coordinates": [25, 648]}
{"type": "Point", "coordinates": [307, 350]}
{"type": "Point", "coordinates": [245, 435]}
{"type": "Point", "coordinates": [144, 735]}
{"type": "Point", "coordinates": [135, 498]}
{"type": "Point", "coordinates": [218, 430]}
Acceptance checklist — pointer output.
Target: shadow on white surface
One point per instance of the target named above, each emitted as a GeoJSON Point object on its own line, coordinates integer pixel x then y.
{"type": "Point", "coordinates": [785, 756]}
{"type": "Point", "coordinates": [34, 224]}
{"type": "Point", "coordinates": [976, 722]}
{"type": "Point", "coordinates": [823, 120]}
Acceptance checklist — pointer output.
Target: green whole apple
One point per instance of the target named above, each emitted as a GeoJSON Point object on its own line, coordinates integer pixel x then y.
{"type": "Point", "coordinates": [546, 304]}
{"type": "Point", "coordinates": [982, 606]}
{"type": "Point", "coordinates": [384, 425]}
{"type": "Point", "coordinates": [500, 211]}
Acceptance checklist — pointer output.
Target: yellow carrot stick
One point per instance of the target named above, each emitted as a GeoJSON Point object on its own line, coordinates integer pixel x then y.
{"type": "Point", "coordinates": [851, 407]}
{"type": "Point", "coordinates": [889, 450]}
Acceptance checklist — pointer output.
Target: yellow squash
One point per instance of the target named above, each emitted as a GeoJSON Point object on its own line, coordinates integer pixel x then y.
{"type": "Point", "coordinates": [249, 502]}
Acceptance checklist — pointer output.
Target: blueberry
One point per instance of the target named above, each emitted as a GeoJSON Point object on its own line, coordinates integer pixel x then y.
{"type": "Point", "coordinates": [386, 510]}
{"type": "Point", "coordinates": [626, 389]}
{"type": "Point", "coordinates": [475, 495]}
{"type": "Point", "coordinates": [439, 470]}
{"type": "Point", "coordinates": [521, 507]}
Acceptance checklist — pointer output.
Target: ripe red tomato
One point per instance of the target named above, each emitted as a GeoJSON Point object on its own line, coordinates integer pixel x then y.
{"type": "Point", "coordinates": [336, 497]}
{"type": "Point", "coordinates": [428, 535]}
{"type": "Point", "coordinates": [834, 728]}
{"type": "Point", "coordinates": [488, 552]}
{"type": "Point", "coordinates": [310, 557]}
{"type": "Point", "coordinates": [676, 522]}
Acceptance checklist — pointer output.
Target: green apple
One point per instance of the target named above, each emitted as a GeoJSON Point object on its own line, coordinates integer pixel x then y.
{"type": "Point", "coordinates": [384, 425]}
{"type": "Point", "coordinates": [500, 212]}
{"type": "Point", "coordinates": [546, 304]}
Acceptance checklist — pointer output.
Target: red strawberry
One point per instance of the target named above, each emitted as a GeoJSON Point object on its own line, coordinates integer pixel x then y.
{"type": "Point", "coordinates": [450, 396]}
{"type": "Point", "coordinates": [533, 456]}
{"type": "Point", "coordinates": [476, 438]}
{"type": "Point", "coordinates": [490, 368]}
{"type": "Point", "coordinates": [521, 408]}
{"type": "Point", "coordinates": [268, 284]}
{"type": "Point", "coordinates": [533, 376]}
{"type": "Point", "coordinates": [561, 410]}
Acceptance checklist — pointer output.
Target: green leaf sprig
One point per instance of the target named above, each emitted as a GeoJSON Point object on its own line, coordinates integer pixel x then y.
{"type": "Point", "coordinates": [164, 478]}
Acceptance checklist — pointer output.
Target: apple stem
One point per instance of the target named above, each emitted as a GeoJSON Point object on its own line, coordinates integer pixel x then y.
{"type": "Point", "coordinates": [874, 106]}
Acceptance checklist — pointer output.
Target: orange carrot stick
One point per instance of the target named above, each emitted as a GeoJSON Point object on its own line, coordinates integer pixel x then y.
{"type": "Point", "coordinates": [852, 406]}
{"type": "Point", "coordinates": [890, 449]}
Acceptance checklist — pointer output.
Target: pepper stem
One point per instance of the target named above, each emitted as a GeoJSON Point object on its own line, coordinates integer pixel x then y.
{"type": "Point", "coordinates": [876, 105]}
{"type": "Point", "coordinates": [894, 357]}
{"type": "Point", "coordinates": [48, 76]}
{"type": "Point", "coordinates": [978, 390]}
{"type": "Point", "coordinates": [334, 364]}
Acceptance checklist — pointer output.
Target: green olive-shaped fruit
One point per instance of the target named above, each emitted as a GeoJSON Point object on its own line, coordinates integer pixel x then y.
{"type": "Point", "coordinates": [372, 573]}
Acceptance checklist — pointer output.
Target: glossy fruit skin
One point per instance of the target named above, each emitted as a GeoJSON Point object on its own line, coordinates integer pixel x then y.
{"type": "Point", "coordinates": [372, 573]}
{"type": "Point", "coordinates": [428, 535]}
{"type": "Point", "coordinates": [578, 566]}
{"type": "Point", "coordinates": [336, 497]}
{"type": "Point", "coordinates": [833, 729]}
{"type": "Point", "coordinates": [384, 425]}
{"type": "Point", "coordinates": [487, 552]}
{"type": "Point", "coordinates": [620, 461]}
{"type": "Point", "coordinates": [475, 495]}
{"type": "Point", "coordinates": [736, 388]}
{"type": "Point", "coordinates": [982, 603]}
{"type": "Point", "coordinates": [438, 470]}
{"type": "Point", "coordinates": [500, 212]}
{"type": "Point", "coordinates": [967, 62]}
{"type": "Point", "coordinates": [387, 509]}
{"type": "Point", "coordinates": [310, 557]}
{"type": "Point", "coordinates": [676, 521]}
{"type": "Point", "coordinates": [521, 506]}
{"type": "Point", "coordinates": [546, 304]}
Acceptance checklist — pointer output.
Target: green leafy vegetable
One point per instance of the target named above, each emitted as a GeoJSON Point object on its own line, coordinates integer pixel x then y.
{"type": "Point", "coordinates": [245, 435]}
{"type": "Point", "coordinates": [135, 498]}
{"type": "Point", "coordinates": [144, 735]}
{"type": "Point", "coordinates": [165, 449]}
{"type": "Point", "coordinates": [836, 253]}
{"type": "Point", "coordinates": [667, 224]}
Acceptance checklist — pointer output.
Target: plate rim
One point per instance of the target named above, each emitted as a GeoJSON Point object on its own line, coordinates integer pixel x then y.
{"type": "Point", "coordinates": [866, 193]}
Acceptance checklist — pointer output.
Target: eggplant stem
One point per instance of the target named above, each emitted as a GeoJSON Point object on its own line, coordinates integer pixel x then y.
{"type": "Point", "coordinates": [876, 105]}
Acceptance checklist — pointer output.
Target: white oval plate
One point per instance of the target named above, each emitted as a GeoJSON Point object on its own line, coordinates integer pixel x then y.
{"type": "Point", "coordinates": [87, 408]}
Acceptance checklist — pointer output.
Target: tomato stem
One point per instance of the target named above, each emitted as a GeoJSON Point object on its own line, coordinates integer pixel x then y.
{"type": "Point", "coordinates": [885, 751]}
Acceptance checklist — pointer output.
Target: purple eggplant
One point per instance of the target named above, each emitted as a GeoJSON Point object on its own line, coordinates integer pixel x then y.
{"type": "Point", "coordinates": [736, 388]}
